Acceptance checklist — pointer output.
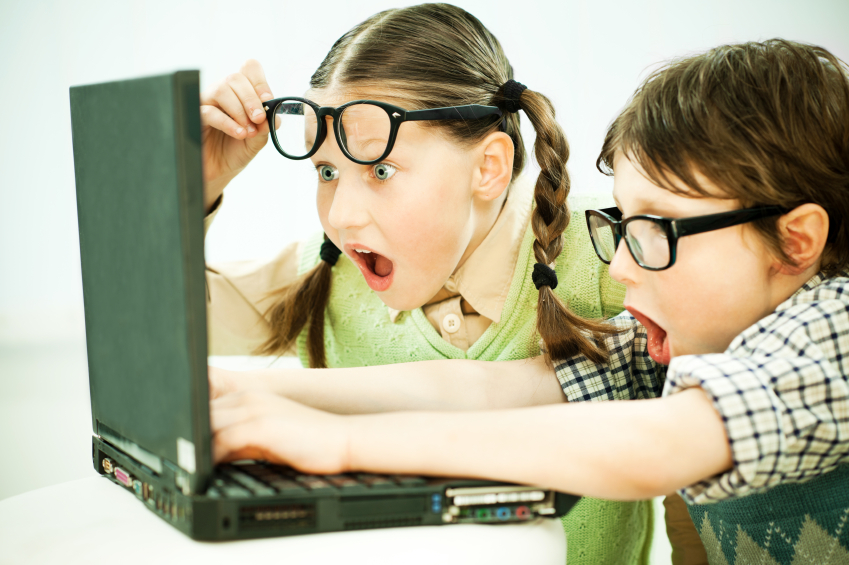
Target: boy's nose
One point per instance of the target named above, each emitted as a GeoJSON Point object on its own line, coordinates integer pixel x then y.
{"type": "Point", "coordinates": [623, 268]}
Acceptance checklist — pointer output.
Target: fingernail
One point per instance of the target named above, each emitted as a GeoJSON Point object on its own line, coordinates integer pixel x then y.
{"type": "Point", "coordinates": [251, 129]}
{"type": "Point", "coordinates": [240, 131]}
{"type": "Point", "coordinates": [265, 96]}
{"type": "Point", "coordinates": [256, 113]}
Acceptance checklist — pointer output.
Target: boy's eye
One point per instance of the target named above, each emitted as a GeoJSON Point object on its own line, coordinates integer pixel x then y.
{"type": "Point", "coordinates": [328, 173]}
{"type": "Point", "coordinates": [384, 171]}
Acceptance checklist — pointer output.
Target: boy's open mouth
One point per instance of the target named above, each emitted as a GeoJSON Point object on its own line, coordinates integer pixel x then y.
{"type": "Point", "coordinates": [658, 345]}
{"type": "Point", "coordinates": [376, 268]}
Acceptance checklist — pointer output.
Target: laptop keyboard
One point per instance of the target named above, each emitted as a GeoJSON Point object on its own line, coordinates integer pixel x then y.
{"type": "Point", "coordinates": [261, 479]}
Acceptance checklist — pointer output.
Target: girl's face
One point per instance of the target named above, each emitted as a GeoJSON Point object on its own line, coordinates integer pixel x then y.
{"type": "Point", "coordinates": [410, 221]}
{"type": "Point", "coordinates": [721, 283]}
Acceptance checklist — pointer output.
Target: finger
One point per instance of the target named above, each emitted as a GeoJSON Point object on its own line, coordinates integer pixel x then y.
{"type": "Point", "coordinates": [229, 102]}
{"type": "Point", "coordinates": [248, 97]}
{"type": "Point", "coordinates": [238, 398]}
{"type": "Point", "coordinates": [256, 75]}
{"type": "Point", "coordinates": [232, 443]}
{"type": "Point", "coordinates": [213, 117]}
{"type": "Point", "coordinates": [220, 418]}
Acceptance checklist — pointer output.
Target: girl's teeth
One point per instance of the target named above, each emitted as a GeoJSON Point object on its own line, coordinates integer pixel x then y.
{"type": "Point", "coordinates": [361, 251]}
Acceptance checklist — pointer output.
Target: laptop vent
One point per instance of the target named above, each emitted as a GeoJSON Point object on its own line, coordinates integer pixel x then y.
{"type": "Point", "coordinates": [369, 523]}
{"type": "Point", "coordinates": [300, 516]}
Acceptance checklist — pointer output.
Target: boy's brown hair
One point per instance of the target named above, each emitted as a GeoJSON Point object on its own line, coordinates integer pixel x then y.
{"type": "Point", "coordinates": [767, 122]}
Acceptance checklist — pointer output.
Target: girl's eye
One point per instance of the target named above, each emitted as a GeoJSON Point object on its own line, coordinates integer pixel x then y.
{"type": "Point", "coordinates": [384, 171]}
{"type": "Point", "coordinates": [328, 173]}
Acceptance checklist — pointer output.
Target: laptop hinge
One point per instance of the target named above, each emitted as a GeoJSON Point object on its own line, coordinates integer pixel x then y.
{"type": "Point", "coordinates": [131, 448]}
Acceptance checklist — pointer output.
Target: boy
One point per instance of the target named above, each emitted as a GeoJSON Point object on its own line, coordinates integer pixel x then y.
{"type": "Point", "coordinates": [731, 169]}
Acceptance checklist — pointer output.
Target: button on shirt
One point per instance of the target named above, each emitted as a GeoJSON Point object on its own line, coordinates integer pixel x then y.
{"type": "Point", "coordinates": [781, 388]}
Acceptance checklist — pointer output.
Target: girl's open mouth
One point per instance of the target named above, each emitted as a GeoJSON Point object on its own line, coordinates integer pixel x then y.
{"type": "Point", "coordinates": [658, 345]}
{"type": "Point", "coordinates": [376, 268]}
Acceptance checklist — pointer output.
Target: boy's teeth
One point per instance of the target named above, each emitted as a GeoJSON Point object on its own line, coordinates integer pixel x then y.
{"type": "Point", "coordinates": [361, 251]}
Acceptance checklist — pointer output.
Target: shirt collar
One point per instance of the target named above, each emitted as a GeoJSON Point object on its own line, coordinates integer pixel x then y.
{"type": "Point", "coordinates": [485, 278]}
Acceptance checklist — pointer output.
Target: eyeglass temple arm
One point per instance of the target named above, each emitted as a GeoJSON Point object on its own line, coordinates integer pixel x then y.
{"type": "Point", "coordinates": [692, 226]}
{"type": "Point", "coordinates": [468, 112]}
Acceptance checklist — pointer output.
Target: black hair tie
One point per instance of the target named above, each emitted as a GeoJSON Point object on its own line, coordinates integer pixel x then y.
{"type": "Point", "coordinates": [544, 275]}
{"type": "Point", "coordinates": [329, 252]}
{"type": "Point", "coordinates": [512, 91]}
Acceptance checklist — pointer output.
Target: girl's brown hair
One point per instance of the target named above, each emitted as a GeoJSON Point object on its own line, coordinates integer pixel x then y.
{"type": "Point", "coordinates": [431, 56]}
{"type": "Point", "coordinates": [766, 122]}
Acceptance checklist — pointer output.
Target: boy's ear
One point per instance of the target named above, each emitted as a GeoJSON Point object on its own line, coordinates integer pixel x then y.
{"type": "Point", "coordinates": [496, 166]}
{"type": "Point", "coordinates": [803, 232]}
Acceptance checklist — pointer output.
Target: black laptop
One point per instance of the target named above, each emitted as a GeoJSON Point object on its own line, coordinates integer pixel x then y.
{"type": "Point", "coordinates": [137, 157]}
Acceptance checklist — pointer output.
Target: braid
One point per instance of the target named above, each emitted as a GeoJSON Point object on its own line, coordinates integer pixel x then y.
{"type": "Point", "coordinates": [303, 301]}
{"type": "Point", "coordinates": [563, 332]}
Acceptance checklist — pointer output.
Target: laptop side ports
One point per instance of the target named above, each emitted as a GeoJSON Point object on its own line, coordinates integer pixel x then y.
{"type": "Point", "coordinates": [491, 505]}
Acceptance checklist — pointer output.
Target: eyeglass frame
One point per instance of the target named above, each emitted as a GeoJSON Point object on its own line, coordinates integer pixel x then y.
{"type": "Point", "coordinates": [397, 116]}
{"type": "Point", "coordinates": [675, 228]}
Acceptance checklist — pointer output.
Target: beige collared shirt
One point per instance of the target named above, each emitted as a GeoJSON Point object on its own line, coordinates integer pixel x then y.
{"type": "Point", "coordinates": [239, 293]}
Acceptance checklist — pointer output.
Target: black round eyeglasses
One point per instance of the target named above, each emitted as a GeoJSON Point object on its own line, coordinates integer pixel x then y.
{"type": "Point", "coordinates": [365, 129]}
{"type": "Point", "coordinates": [653, 240]}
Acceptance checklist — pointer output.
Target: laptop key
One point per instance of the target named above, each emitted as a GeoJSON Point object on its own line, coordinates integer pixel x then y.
{"type": "Point", "coordinates": [313, 483]}
{"type": "Point", "coordinates": [346, 483]}
{"type": "Point", "coordinates": [234, 491]}
{"type": "Point", "coordinates": [409, 481]}
{"type": "Point", "coordinates": [251, 483]}
{"type": "Point", "coordinates": [287, 487]}
{"type": "Point", "coordinates": [377, 482]}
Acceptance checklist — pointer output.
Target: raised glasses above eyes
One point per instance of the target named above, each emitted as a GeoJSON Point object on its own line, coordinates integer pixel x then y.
{"type": "Point", "coordinates": [365, 129]}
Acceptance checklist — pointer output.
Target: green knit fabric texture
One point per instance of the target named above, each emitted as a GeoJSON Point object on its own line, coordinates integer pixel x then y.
{"type": "Point", "coordinates": [359, 333]}
{"type": "Point", "coordinates": [791, 524]}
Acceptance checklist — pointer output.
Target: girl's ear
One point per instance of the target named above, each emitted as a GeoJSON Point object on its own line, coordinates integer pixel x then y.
{"type": "Point", "coordinates": [495, 166]}
{"type": "Point", "coordinates": [803, 233]}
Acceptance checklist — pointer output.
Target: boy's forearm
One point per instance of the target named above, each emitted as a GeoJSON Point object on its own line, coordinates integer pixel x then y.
{"type": "Point", "coordinates": [628, 450]}
{"type": "Point", "coordinates": [429, 385]}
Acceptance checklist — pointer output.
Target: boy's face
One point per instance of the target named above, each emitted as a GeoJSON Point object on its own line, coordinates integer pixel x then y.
{"type": "Point", "coordinates": [721, 282]}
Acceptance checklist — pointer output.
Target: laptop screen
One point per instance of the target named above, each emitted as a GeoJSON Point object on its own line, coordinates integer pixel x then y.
{"type": "Point", "coordinates": [139, 199]}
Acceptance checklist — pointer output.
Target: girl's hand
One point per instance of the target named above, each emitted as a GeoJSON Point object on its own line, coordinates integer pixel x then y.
{"type": "Point", "coordinates": [222, 381]}
{"type": "Point", "coordinates": [233, 127]}
{"type": "Point", "coordinates": [263, 425]}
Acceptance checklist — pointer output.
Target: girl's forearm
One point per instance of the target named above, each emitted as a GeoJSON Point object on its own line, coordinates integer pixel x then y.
{"type": "Point", "coordinates": [616, 450]}
{"type": "Point", "coordinates": [429, 385]}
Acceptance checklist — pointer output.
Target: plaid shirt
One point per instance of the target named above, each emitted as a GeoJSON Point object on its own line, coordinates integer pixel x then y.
{"type": "Point", "coordinates": [781, 388]}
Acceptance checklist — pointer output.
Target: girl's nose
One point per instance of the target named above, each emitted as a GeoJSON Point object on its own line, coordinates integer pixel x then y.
{"type": "Point", "coordinates": [349, 207]}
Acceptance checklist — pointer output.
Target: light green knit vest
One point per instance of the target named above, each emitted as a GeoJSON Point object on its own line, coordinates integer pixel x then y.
{"type": "Point", "coordinates": [359, 333]}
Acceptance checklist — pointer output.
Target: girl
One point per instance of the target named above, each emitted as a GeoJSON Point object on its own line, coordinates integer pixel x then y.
{"type": "Point", "coordinates": [433, 248]}
{"type": "Point", "coordinates": [731, 172]}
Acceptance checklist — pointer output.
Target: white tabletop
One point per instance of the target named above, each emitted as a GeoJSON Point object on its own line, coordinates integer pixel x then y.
{"type": "Point", "coordinates": [95, 521]}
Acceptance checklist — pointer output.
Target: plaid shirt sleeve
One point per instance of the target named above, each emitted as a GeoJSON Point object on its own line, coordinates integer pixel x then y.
{"type": "Point", "coordinates": [629, 374]}
{"type": "Point", "coordinates": [781, 390]}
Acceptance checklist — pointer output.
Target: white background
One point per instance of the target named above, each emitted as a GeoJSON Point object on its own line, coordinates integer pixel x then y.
{"type": "Point", "coordinates": [587, 56]}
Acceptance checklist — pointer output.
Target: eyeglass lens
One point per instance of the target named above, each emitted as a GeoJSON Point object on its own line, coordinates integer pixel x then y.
{"type": "Point", "coordinates": [646, 240]}
{"type": "Point", "coordinates": [295, 126]}
{"type": "Point", "coordinates": [364, 129]}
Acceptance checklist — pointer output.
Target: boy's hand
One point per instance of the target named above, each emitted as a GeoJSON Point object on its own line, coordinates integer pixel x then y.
{"type": "Point", "coordinates": [263, 425]}
{"type": "Point", "coordinates": [233, 126]}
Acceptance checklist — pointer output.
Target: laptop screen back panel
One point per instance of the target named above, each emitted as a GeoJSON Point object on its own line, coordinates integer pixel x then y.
{"type": "Point", "coordinates": [141, 244]}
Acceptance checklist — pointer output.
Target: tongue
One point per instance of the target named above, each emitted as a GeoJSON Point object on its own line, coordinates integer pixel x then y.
{"type": "Point", "coordinates": [658, 345]}
{"type": "Point", "coordinates": [382, 266]}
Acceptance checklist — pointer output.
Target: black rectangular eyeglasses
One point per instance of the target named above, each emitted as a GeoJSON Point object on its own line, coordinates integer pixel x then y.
{"type": "Point", "coordinates": [365, 129]}
{"type": "Point", "coordinates": [653, 240]}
